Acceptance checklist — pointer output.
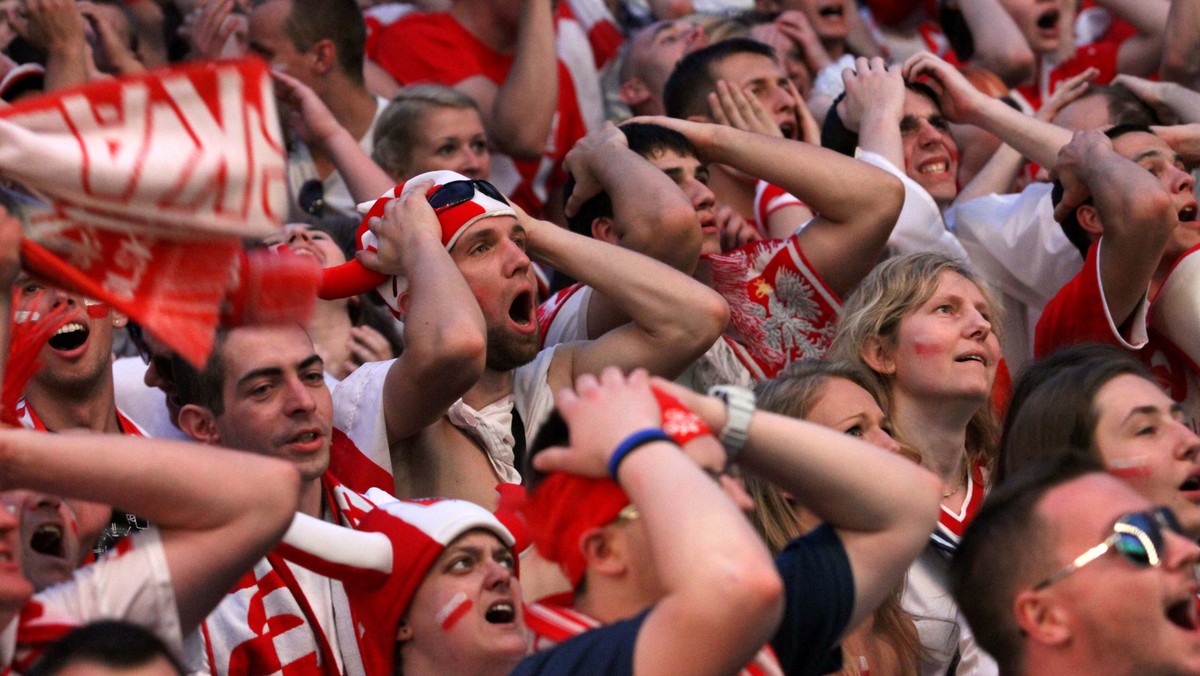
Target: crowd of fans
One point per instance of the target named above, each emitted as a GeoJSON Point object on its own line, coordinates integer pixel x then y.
{"type": "Point", "coordinates": [653, 336]}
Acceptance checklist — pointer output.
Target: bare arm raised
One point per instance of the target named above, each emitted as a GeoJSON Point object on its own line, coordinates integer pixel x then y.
{"type": "Point", "coordinates": [882, 505]}
{"type": "Point", "coordinates": [1131, 209]}
{"type": "Point", "coordinates": [858, 204]}
{"type": "Point", "coordinates": [519, 112]}
{"type": "Point", "coordinates": [674, 317]}
{"type": "Point", "coordinates": [210, 537]}
{"type": "Point", "coordinates": [444, 331]}
{"type": "Point", "coordinates": [961, 102]}
{"type": "Point", "coordinates": [722, 595]}
{"type": "Point", "coordinates": [318, 128]}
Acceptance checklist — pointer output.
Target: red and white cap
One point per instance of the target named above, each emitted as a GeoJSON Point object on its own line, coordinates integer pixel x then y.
{"type": "Point", "coordinates": [383, 561]}
{"type": "Point", "coordinates": [352, 278]}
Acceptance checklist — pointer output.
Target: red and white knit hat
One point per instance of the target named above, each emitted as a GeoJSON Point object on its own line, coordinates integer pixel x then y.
{"type": "Point", "coordinates": [352, 278]}
{"type": "Point", "coordinates": [383, 561]}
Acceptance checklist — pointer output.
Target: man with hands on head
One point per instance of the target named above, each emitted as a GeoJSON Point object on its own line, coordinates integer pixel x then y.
{"type": "Point", "coordinates": [804, 274]}
{"type": "Point", "coordinates": [833, 577]}
{"type": "Point", "coordinates": [468, 446]}
{"type": "Point", "coordinates": [1128, 190]}
{"type": "Point", "coordinates": [722, 598]}
{"type": "Point", "coordinates": [740, 83]}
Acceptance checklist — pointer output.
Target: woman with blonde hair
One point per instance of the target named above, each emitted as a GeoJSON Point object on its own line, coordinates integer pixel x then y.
{"type": "Point", "coordinates": [843, 396]}
{"type": "Point", "coordinates": [925, 327]}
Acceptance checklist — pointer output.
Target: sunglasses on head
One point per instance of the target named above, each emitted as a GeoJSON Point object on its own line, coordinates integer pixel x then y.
{"type": "Point", "coordinates": [454, 193]}
{"type": "Point", "coordinates": [312, 197]}
{"type": "Point", "coordinates": [1137, 537]}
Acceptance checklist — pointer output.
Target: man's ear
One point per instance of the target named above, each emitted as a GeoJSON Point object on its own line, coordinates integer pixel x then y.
{"type": "Point", "coordinates": [119, 320]}
{"type": "Point", "coordinates": [199, 423]}
{"type": "Point", "coordinates": [1040, 618]}
{"type": "Point", "coordinates": [601, 552]}
{"type": "Point", "coordinates": [603, 229]}
{"type": "Point", "coordinates": [1089, 220]}
{"type": "Point", "coordinates": [634, 92]}
{"type": "Point", "coordinates": [324, 56]}
{"type": "Point", "coordinates": [878, 357]}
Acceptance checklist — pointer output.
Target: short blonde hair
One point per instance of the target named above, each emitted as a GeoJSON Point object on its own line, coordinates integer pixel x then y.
{"type": "Point", "coordinates": [398, 127]}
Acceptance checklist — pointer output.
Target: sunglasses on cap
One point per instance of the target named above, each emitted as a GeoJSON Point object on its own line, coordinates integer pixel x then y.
{"type": "Point", "coordinates": [454, 193]}
{"type": "Point", "coordinates": [312, 197]}
{"type": "Point", "coordinates": [1137, 537]}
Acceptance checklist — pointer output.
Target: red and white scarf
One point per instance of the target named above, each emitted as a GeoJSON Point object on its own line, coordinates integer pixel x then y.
{"type": "Point", "coordinates": [149, 184]}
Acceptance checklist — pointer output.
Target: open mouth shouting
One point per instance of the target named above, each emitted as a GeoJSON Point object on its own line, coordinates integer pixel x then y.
{"type": "Point", "coordinates": [47, 540]}
{"type": "Point", "coordinates": [1188, 214]}
{"type": "Point", "coordinates": [1191, 486]}
{"type": "Point", "coordinates": [501, 612]}
{"type": "Point", "coordinates": [523, 312]}
{"type": "Point", "coordinates": [71, 339]}
{"type": "Point", "coordinates": [1046, 23]}
{"type": "Point", "coordinates": [1183, 613]}
{"type": "Point", "coordinates": [832, 10]}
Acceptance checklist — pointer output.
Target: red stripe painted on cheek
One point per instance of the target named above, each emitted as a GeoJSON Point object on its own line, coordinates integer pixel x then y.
{"type": "Point", "coordinates": [925, 346]}
{"type": "Point", "coordinates": [455, 610]}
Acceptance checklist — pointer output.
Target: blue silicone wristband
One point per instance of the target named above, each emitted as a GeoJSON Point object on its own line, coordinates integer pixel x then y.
{"type": "Point", "coordinates": [632, 442]}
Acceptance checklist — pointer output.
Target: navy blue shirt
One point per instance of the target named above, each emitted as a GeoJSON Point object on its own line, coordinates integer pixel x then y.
{"type": "Point", "coordinates": [819, 588]}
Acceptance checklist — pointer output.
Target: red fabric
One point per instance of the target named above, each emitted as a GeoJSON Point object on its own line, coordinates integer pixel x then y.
{"type": "Point", "coordinates": [565, 506]}
{"type": "Point", "coordinates": [354, 469]}
{"type": "Point", "coordinates": [603, 34]}
{"type": "Point", "coordinates": [1099, 55]}
{"type": "Point", "coordinates": [437, 49]}
{"type": "Point", "coordinates": [781, 310]}
{"type": "Point", "coordinates": [140, 174]}
{"type": "Point", "coordinates": [548, 310]}
{"type": "Point", "coordinates": [27, 337]}
{"type": "Point", "coordinates": [1077, 314]}
{"type": "Point", "coordinates": [888, 12]}
{"type": "Point", "coordinates": [562, 509]}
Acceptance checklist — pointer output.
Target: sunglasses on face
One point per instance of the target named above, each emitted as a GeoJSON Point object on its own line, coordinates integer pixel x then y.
{"type": "Point", "coordinates": [454, 193]}
{"type": "Point", "coordinates": [1137, 537]}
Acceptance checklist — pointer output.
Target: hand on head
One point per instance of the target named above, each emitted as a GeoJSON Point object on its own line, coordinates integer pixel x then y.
{"type": "Point", "coordinates": [600, 413]}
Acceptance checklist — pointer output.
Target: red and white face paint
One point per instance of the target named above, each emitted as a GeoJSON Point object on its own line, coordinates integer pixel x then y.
{"type": "Point", "coordinates": [454, 610]}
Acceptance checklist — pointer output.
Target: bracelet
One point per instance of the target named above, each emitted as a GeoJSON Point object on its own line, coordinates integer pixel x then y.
{"type": "Point", "coordinates": [739, 409]}
{"type": "Point", "coordinates": [632, 442]}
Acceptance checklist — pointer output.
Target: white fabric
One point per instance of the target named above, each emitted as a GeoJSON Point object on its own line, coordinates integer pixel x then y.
{"type": "Point", "coordinates": [920, 226]}
{"type": "Point", "coordinates": [134, 585]}
{"type": "Point", "coordinates": [940, 627]}
{"type": "Point", "coordinates": [227, 627]}
{"type": "Point", "coordinates": [358, 413]}
{"type": "Point", "coordinates": [1016, 244]}
{"type": "Point", "coordinates": [146, 406]}
{"type": "Point", "coordinates": [570, 322]}
{"type": "Point", "coordinates": [718, 366]}
{"type": "Point", "coordinates": [532, 394]}
{"type": "Point", "coordinates": [300, 168]}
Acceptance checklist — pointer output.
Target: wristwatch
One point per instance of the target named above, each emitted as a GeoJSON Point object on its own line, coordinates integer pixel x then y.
{"type": "Point", "coordinates": [739, 408]}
